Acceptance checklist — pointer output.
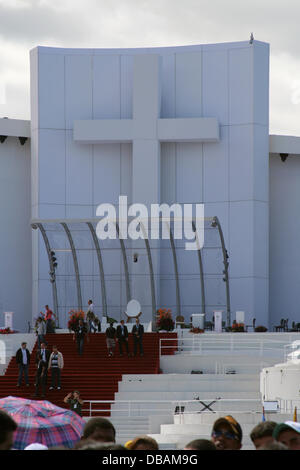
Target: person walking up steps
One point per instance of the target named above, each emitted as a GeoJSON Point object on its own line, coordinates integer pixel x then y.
{"type": "Point", "coordinates": [138, 331]}
{"type": "Point", "coordinates": [110, 339]}
{"type": "Point", "coordinates": [56, 364]}
{"type": "Point", "coordinates": [79, 333]}
{"type": "Point", "coordinates": [122, 337]}
{"type": "Point", "coordinates": [23, 361]}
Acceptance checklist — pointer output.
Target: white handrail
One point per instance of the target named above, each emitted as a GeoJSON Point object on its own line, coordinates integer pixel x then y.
{"type": "Point", "coordinates": [173, 404]}
{"type": "Point", "coordinates": [200, 344]}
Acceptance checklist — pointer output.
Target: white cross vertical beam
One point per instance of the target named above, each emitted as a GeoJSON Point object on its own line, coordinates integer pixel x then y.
{"type": "Point", "coordinates": [146, 147]}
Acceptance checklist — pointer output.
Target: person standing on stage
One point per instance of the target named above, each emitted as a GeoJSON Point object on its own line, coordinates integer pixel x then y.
{"type": "Point", "coordinates": [138, 331]}
{"type": "Point", "coordinates": [79, 333]}
{"type": "Point", "coordinates": [49, 317]}
{"type": "Point", "coordinates": [111, 339]}
{"type": "Point", "coordinates": [23, 361]}
{"type": "Point", "coordinates": [122, 337]}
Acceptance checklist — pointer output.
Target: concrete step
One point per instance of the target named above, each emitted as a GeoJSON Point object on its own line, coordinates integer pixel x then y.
{"type": "Point", "coordinates": [184, 395]}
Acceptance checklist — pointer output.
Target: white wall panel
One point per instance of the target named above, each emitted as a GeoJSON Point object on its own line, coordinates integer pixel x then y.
{"type": "Point", "coordinates": [188, 84]}
{"type": "Point", "coordinates": [51, 85]}
{"type": "Point", "coordinates": [189, 173]}
{"type": "Point", "coordinates": [106, 173]}
{"type": "Point", "coordinates": [241, 86]}
{"type": "Point", "coordinates": [106, 87]}
{"type": "Point", "coordinates": [52, 167]}
{"type": "Point", "coordinates": [216, 168]}
{"type": "Point", "coordinates": [78, 98]}
{"type": "Point", "coordinates": [215, 85]}
{"type": "Point", "coordinates": [79, 172]}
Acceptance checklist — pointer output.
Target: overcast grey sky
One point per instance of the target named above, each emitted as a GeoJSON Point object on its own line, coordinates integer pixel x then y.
{"type": "Point", "coordinates": [25, 24]}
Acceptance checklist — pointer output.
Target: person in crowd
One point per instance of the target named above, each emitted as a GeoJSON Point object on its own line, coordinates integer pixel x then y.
{"type": "Point", "coordinates": [36, 446]}
{"type": "Point", "coordinates": [56, 364]}
{"type": "Point", "coordinates": [75, 402]}
{"type": "Point", "coordinates": [143, 443]}
{"type": "Point", "coordinates": [45, 353]}
{"type": "Point", "coordinates": [41, 376]}
{"type": "Point", "coordinates": [227, 434]}
{"type": "Point", "coordinates": [288, 433]}
{"type": "Point", "coordinates": [79, 333]}
{"type": "Point", "coordinates": [97, 324]}
{"type": "Point", "coordinates": [137, 332]}
{"type": "Point", "coordinates": [93, 445]}
{"type": "Point", "coordinates": [90, 317]}
{"type": "Point", "coordinates": [262, 434]}
{"type": "Point", "coordinates": [200, 444]}
{"type": "Point", "coordinates": [122, 337]}
{"type": "Point", "coordinates": [100, 430]}
{"type": "Point", "coordinates": [49, 317]}
{"type": "Point", "coordinates": [23, 361]}
{"type": "Point", "coordinates": [40, 331]}
{"type": "Point", "coordinates": [110, 339]}
{"type": "Point", "coordinates": [273, 446]}
{"type": "Point", "coordinates": [7, 428]}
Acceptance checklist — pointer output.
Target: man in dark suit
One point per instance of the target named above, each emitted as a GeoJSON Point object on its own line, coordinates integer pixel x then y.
{"type": "Point", "coordinates": [122, 337]}
{"type": "Point", "coordinates": [79, 333]}
{"type": "Point", "coordinates": [42, 359]}
{"type": "Point", "coordinates": [23, 361]}
{"type": "Point", "coordinates": [138, 331]}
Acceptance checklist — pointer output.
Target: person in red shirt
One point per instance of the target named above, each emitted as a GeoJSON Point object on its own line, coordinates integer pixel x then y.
{"type": "Point", "coordinates": [49, 317]}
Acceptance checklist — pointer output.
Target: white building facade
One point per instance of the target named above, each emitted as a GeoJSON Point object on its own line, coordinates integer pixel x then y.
{"type": "Point", "coordinates": [187, 125]}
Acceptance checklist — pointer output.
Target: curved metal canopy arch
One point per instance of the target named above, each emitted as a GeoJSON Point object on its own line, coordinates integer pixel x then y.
{"type": "Point", "coordinates": [52, 269]}
{"type": "Point", "coordinates": [216, 223]}
{"type": "Point", "coordinates": [75, 262]}
{"type": "Point", "coordinates": [101, 268]}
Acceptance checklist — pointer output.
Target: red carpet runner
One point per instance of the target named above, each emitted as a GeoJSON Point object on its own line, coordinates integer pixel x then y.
{"type": "Point", "coordinates": [94, 374]}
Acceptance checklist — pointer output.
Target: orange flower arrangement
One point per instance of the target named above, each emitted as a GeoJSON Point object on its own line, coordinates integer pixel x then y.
{"type": "Point", "coordinates": [164, 319]}
{"type": "Point", "coordinates": [75, 316]}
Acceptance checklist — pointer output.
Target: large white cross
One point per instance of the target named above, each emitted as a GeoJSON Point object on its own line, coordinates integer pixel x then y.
{"type": "Point", "coordinates": [146, 130]}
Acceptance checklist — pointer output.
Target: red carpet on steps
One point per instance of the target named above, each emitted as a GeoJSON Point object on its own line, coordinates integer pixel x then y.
{"type": "Point", "coordinates": [94, 374]}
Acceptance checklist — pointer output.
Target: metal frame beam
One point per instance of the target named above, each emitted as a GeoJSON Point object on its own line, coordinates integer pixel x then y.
{"type": "Point", "coordinates": [123, 249]}
{"type": "Point", "coordinates": [201, 274]}
{"type": "Point", "coordinates": [216, 223]}
{"type": "Point", "coordinates": [75, 261]}
{"type": "Point", "coordinates": [101, 268]}
{"type": "Point", "coordinates": [52, 269]}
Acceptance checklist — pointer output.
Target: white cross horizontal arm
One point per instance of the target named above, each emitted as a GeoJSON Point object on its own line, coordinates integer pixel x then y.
{"type": "Point", "coordinates": [188, 130]}
{"type": "Point", "coordinates": [103, 131]}
{"type": "Point", "coordinates": [168, 130]}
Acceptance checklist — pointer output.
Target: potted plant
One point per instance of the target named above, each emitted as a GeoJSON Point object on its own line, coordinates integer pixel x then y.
{"type": "Point", "coordinates": [75, 316]}
{"type": "Point", "coordinates": [164, 320]}
{"type": "Point", "coordinates": [260, 329]}
{"type": "Point", "coordinates": [196, 330]}
{"type": "Point", "coordinates": [238, 327]}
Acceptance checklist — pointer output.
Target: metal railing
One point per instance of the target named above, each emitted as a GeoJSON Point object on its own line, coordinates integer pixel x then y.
{"type": "Point", "coordinates": [221, 368]}
{"type": "Point", "coordinates": [204, 344]}
{"type": "Point", "coordinates": [139, 408]}
{"type": "Point", "coordinates": [288, 406]}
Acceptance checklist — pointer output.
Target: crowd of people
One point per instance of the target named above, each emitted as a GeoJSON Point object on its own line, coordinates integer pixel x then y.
{"type": "Point", "coordinates": [91, 324]}
{"type": "Point", "coordinates": [100, 434]}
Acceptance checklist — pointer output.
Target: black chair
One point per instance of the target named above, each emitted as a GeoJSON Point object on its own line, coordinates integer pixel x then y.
{"type": "Point", "coordinates": [208, 325]}
{"type": "Point", "coordinates": [286, 327]}
{"type": "Point", "coordinates": [280, 327]}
